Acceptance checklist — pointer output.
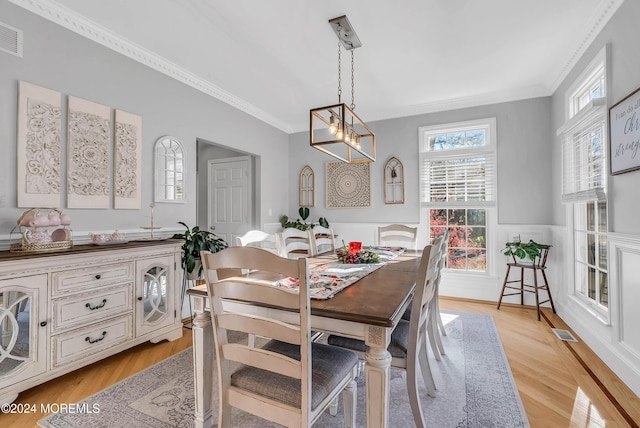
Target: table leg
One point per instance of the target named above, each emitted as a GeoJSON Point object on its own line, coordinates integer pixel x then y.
{"type": "Point", "coordinates": [203, 362]}
{"type": "Point", "coordinates": [377, 377]}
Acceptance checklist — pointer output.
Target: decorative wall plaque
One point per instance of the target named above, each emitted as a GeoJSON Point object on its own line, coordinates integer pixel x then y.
{"type": "Point", "coordinates": [39, 150]}
{"type": "Point", "coordinates": [127, 161]}
{"type": "Point", "coordinates": [89, 154]}
{"type": "Point", "coordinates": [307, 187]}
{"type": "Point", "coordinates": [348, 185]}
{"type": "Point", "coordinates": [393, 182]}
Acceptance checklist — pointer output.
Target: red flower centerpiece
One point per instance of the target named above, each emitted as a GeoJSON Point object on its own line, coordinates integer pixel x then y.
{"type": "Point", "coordinates": [354, 254]}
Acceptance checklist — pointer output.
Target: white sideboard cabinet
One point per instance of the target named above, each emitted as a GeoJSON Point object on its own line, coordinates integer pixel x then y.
{"type": "Point", "coordinates": [61, 311]}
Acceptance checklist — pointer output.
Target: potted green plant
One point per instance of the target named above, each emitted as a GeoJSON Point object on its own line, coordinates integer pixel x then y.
{"type": "Point", "coordinates": [301, 224]}
{"type": "Point", "coordinates": [526, 251]}
{"type": "Point", "coordinates": [196, 240]}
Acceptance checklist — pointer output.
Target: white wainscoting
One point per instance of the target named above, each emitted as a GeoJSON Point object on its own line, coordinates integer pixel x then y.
{"type": "Point", "coordinates": [616, 341]}
{"type": "Point", "coordinates": [476, 286]}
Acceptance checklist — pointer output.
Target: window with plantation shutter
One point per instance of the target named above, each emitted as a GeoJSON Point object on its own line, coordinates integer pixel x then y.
{"type": "Point", "coordinates": [583, 154]}
{"type": "Point", "coordinates": [584, 184]}
{"type": "Point", "coordinates": [458, 164]}
{"type": "Point", "coordinates": [459, 180]}
{"type": "Point", "coordinates": [457, 187]}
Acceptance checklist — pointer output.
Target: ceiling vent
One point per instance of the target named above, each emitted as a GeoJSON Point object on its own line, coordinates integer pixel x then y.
{"type": "Point", "coordinates": [10, 40]}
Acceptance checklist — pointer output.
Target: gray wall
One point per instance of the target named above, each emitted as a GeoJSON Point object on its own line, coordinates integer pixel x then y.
{"type": "Point", "coordinates": [524, 180]}
{"type": "Point", "coordinates": [61, 60]}
{"type": "Point", "coordinates": [621, 33]}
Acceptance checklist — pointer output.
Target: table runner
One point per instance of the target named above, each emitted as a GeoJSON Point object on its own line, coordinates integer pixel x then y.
{"type": "Point", "coordinates": [328, 279]}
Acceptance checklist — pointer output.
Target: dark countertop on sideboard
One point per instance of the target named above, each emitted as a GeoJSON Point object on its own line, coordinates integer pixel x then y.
{"type": "Point", "coordinates": [85, 248]}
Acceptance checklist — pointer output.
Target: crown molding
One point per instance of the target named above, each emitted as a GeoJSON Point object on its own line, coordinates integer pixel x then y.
{"type": "Point", "coordinates": [605, 11]}
{"type": "Point", "coordinates": [70, 20]}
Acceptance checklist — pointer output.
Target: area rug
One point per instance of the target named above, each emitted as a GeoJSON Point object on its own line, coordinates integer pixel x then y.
{"type": "Point", "coordinates": [475, 388]}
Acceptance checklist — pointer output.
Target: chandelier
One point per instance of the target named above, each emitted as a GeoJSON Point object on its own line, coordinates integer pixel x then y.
{"type": "Point", "coordinates": [336, 130]}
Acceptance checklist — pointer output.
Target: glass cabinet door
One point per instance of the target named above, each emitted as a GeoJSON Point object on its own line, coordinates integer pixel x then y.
{"type": "Point", "coordinates": [155, 290]}
{"type": "Point", "coordinates": [22, 328]}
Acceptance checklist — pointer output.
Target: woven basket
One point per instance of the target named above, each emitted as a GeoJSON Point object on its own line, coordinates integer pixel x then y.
{"type": "Point", "coordinates": [25, 247]}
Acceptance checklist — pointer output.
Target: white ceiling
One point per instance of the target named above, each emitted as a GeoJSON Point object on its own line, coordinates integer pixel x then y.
{"type": "Point", "coordinates": [276, 59]}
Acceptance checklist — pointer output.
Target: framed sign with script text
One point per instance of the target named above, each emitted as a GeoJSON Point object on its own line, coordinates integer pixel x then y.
{"type": "Point", "coordinates": [624, 134]}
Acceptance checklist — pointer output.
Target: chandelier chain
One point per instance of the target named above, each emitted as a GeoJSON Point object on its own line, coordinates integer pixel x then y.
{"type": "Point", "coordinates": [353, 92]}
{"type": "Point", "coordinates": [339, 72]}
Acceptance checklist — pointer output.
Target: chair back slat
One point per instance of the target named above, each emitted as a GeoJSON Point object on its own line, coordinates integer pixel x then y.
{"type": "Point", "coordinates": [294, 243]}
{"type": "Point", "coordinates": [257, 238]}
{"type": "Point", "coordinates": [262, 290]}
{"type": "Point", "coordinates": [264, 327]}
{"type": "Point", "coordinates": [322, 239]}
{"type": "Point", "coordinates": [398, 235]}
{"type": "Point", "coordinates": [266, 360]}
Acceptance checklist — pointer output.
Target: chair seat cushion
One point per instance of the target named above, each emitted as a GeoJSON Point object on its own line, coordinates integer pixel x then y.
{"type": "Point", "coordinates": [407, 313]}
{"type": "Point", "coordinates": [397, 348]}
{"type": "Point", "coordinates": [329, 366]}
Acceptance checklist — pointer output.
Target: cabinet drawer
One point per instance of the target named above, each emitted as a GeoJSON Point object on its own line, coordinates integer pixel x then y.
{"type": "Point", "coordinates": [77, 310]}
{"type": "Point", "coordinates": [77, 344]}
{"type": "Point", "coordinates": [84, 279]}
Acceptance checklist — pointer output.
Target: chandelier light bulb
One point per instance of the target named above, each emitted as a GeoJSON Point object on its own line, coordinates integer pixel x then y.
{"type": "Point", "coordinates": [347, 138]}
{"type": "Point", "coordinates": [333, 128]}
{"type": "Point", "coordinates": [339, 134]}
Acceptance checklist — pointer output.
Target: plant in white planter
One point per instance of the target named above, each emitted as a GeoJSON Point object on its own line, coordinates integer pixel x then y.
{"type": "Point", "coordinates": [196, 240]}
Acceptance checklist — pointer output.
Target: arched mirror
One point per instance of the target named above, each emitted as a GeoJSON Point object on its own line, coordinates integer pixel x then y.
{"type": "Point", "coordinates": [169, 170]}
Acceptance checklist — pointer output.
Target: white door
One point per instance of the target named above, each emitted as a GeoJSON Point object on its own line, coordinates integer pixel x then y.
{"type": "Point", "coordinates": [229, 197]}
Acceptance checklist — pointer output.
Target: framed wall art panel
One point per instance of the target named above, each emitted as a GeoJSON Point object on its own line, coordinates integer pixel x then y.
{"type": "Point", "coordinates": [624, 134]}
{"type": "Point", "coordinates": [39, 146]}
{"type": "Point", "coordinates": [127, 153]}
{"type": "Point", "coordinates": [89, 154]}
{"type": "Point", "coordinates": [348, 185]}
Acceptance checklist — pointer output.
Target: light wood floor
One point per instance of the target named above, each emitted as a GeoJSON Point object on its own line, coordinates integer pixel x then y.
{"type": "Point", "coordinates": [555, 387]}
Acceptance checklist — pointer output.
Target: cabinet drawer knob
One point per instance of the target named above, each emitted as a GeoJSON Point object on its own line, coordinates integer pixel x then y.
{"type": "Point", "coordinates": [101, 305]}
{"type": "Point", "coordinates": [90, 340]}
{"type": "Point", "coordinates": [43, 324]}
{"type": "Point", "coordinates": [98, 276]}
{"type": "Point", "coordinates": [140, 298]}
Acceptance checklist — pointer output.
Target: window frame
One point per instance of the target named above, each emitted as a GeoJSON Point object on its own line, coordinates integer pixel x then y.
{"type": "Point", "coordinates": [489, 150]}
{"type": "Point", "coordinates": [596, 71]}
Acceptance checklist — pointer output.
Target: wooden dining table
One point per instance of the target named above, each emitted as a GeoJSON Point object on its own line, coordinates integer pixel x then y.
{"type": "Point", "coordinates": [368, 310]}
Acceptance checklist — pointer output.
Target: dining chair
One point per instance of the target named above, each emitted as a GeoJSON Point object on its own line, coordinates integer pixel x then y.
{"type": "Point", "coordinates": [398, 235]}
{"type": "Point", "coordinates": [322, 239]}
{"type": "Point", "coordinates": [258, 238]}
{"type": "Point", "coordinates": [436, 326]}
{"type": "Point", "coordinates": [294, 243]}
{"type": "Point", "coordinates": [289, 380]}
{"type": "Point", "coordinates": [408, 347]}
